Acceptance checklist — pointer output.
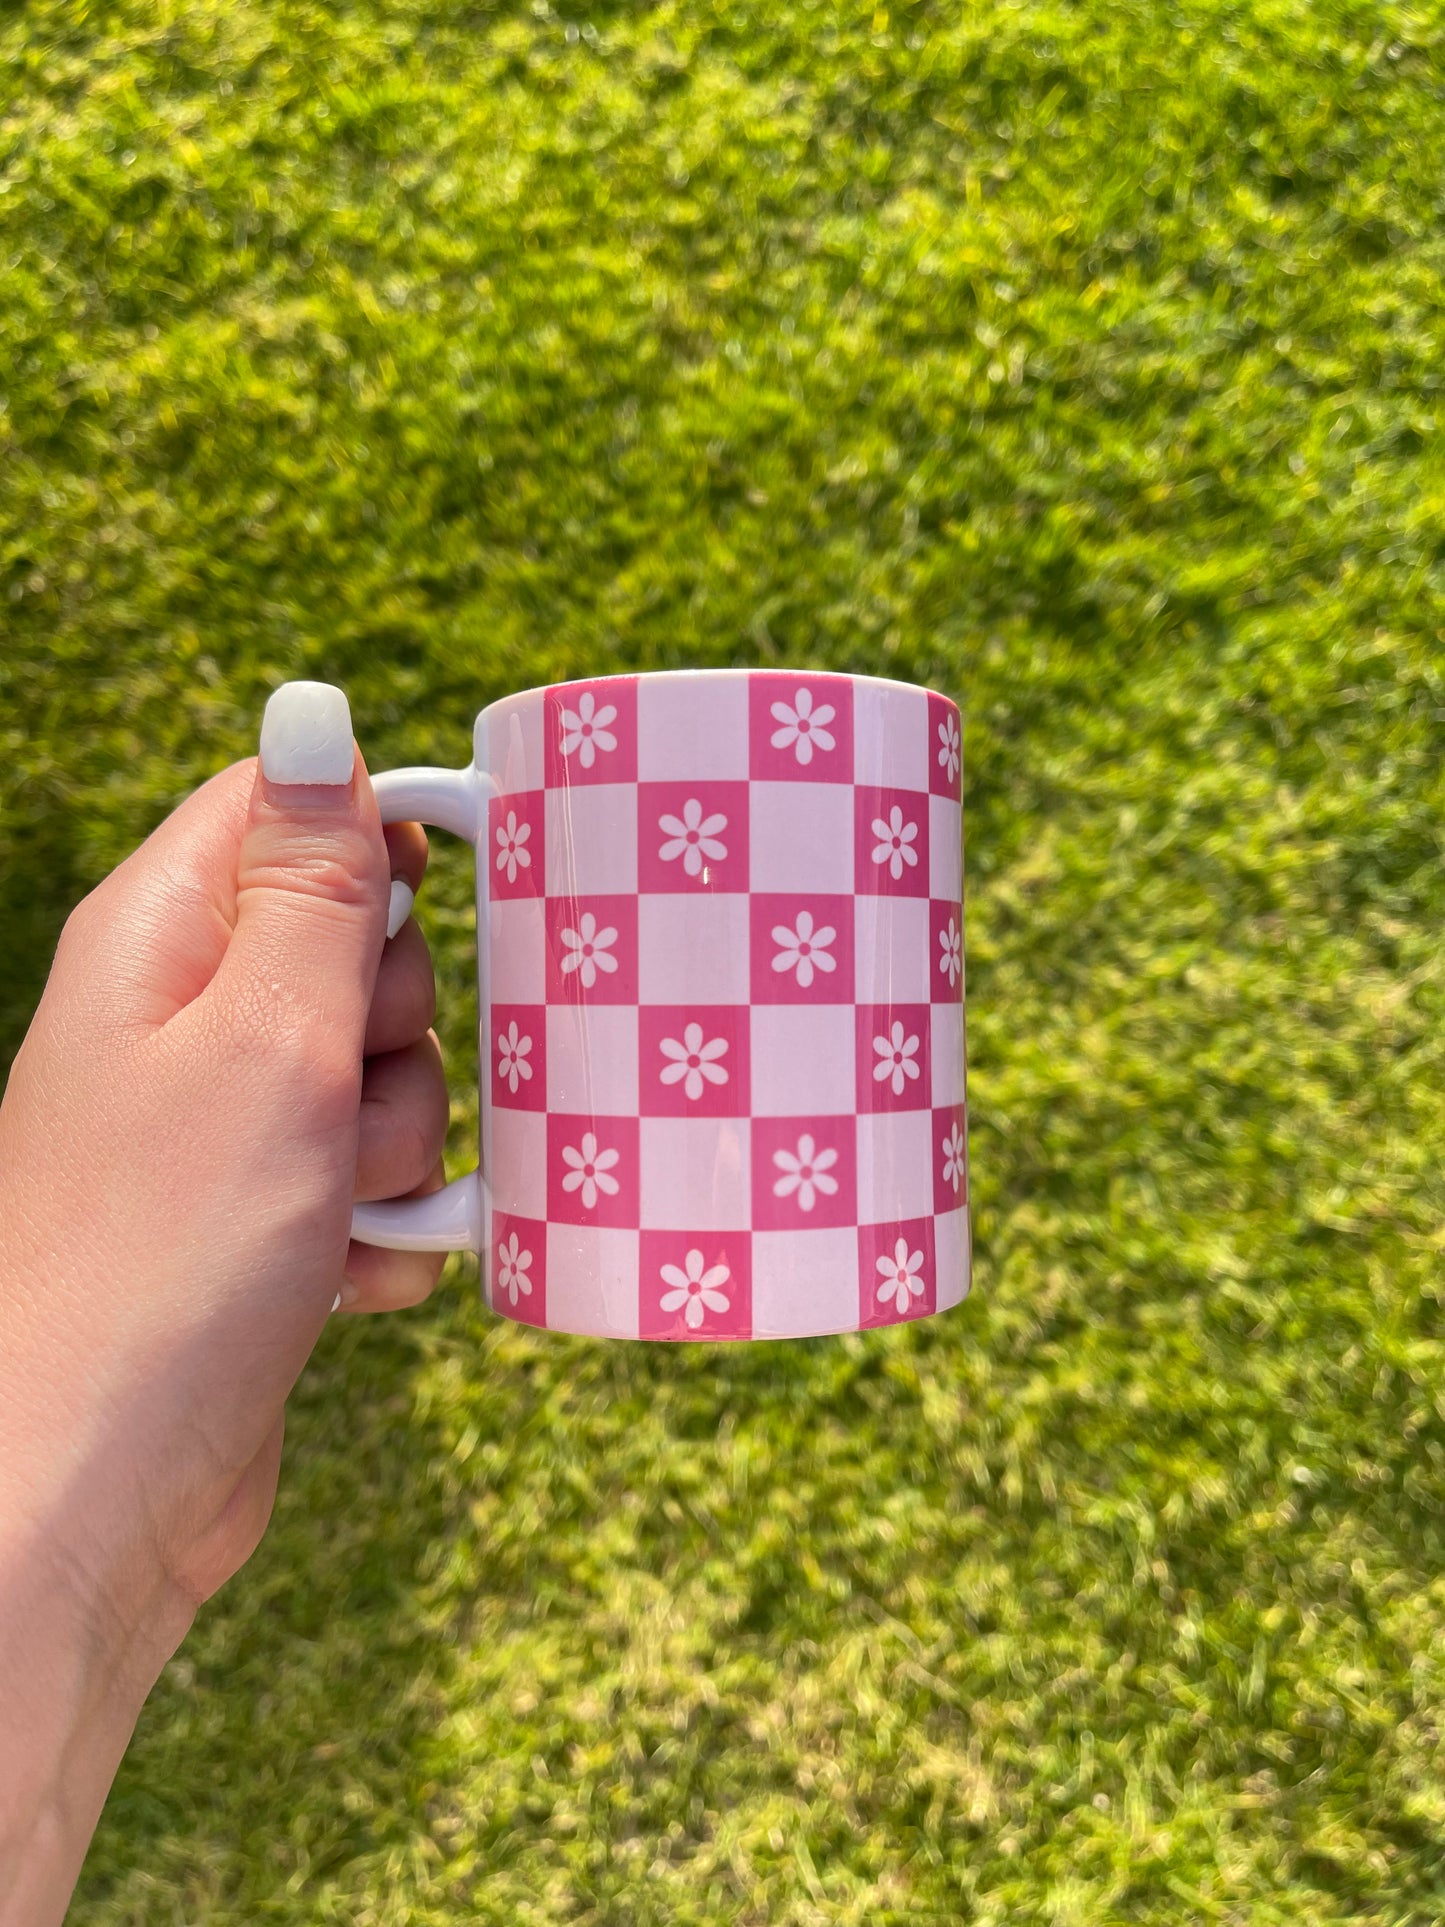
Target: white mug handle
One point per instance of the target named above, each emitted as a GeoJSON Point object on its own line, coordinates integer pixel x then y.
{"type": "Point", "coordinates": [454, 1218]}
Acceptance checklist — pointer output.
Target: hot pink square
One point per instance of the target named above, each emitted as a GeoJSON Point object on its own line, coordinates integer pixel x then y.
{"type": "Point", "coordinates": [800, 727]}
{"type": "Point", "coordinates": [516, 854]}
{"type": "Point", "coordinates": [950, 1157]}
{"type": "Point", "coordinates": [701, 1080]}
{"type": "Point", "coordinates": [519, 1056]}
{"type": "Point", "coordinates": [592, 950]}
{"type": "Point", "coordinates": [890, 842]}
{"type": "Point", "coordinates": [945, 746]}
{"type": "Point", "coordinates": [589, 732]}
{"type": "Point", "coordinates": [519, 1268]}
{"type": "Point", "coordinates": [692, 836]}
{"type": "Point", "coordinates": [792, 967]}
{"type": "Point", "coordinates": [893, 1038]}
{"type": "Point", "coordinates": [945, 952]}
{"type": "Point", "coordinates": [897, 1259]}
{"type": "Point", "coordinates": [707, 1273]}
{"type": "Point", "coordinates": [586, 1155]}
{"type": "Point", "coordinates": [795, 1161]}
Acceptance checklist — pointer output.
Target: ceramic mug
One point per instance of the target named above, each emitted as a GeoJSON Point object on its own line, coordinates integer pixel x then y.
{"type": "Point", "coordinates": [719, 919]}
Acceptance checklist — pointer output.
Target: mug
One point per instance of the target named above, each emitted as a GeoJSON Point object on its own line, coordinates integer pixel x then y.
{"type": "Point", "coordinates": [719, 941]}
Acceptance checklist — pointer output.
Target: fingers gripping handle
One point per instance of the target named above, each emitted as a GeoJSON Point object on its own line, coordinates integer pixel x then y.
{"type": "Point", "coordinates": [454, 1218]}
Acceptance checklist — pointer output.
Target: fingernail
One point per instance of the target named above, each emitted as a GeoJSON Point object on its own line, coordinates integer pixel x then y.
{"type": "Point", "coordinates": [399, 909]}
{"type": "Point", "coordinates": [306, 735]}
{"type": "Point", "coordinates": [346, 1297]}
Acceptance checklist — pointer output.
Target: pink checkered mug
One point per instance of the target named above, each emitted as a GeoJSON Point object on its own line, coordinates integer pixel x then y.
{"type": "Point", "coordinates": [720, 922]}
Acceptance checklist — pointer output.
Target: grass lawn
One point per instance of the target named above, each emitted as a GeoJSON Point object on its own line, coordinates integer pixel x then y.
{"type": "Point", "coordinates": [1083, 357]}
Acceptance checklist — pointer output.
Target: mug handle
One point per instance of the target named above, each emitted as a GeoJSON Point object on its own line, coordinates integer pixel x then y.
{"type": "Point", "coordinates": [454, 1218]}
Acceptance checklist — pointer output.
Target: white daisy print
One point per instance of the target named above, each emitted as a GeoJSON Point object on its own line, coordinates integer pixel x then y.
{"type": "Point", "coordinates": [693, 1062]}
{"type": "Point", "coordinates": [513, 1050]}
{"type": "Point", "coordinates": [895, 842]}
{"type": "Point", "coordinates": [804, 728]}
{"type": "Point", "coordinates": [902, 1276]}
{"type": "Point", "coordinates": [806, 1173]}
{"type": "Point", "coordinates": [585, 729]}
{"type": "Point", "coordinates": [950, 942]}
{"type": "Point", "coordinates": [692, 836]}
{"type": "Point", "coordinates": [948, 746]}
{"type": "Point", "coordinates": [512, 853]}
{"type": "Point", "coordinates": [512, 1263]}
{"type": "Point", "coordinates": [589, 1170]}
{"type": "Point", "coordinates": [897, 1058]}
{"type": "Point", "coordinates": [804, 948]}
{"type": "Point", "coordinates": [588, 950]}
{"type": "Point", "coordinates": [692, 1290]}
{"type": "Point", "coordinates": [953, 1158]}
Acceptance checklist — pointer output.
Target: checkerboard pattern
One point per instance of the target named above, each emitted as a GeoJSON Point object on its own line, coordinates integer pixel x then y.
{"type": "Point", "coordinates": [723, 996]}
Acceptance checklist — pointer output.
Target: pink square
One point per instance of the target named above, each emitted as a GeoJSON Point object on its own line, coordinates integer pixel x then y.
{"type": "Point", "coordinates": [800, 727]}
{"type": "Point", "coordinates": [515, 845]}
{"type": "Point", "coordinates": [890, 842]}
{"type": "Point", "coordinates": [519, 1057]}
{"type": "Point", "coordinates": [945, 952]}
{"type": "Point", "coordinates": [693, 1060]}
{"type": "Point", "coordinates": [591, 1169]}
{"type": "Point", "coordinates": [695, 1284]}
{"type": "Point", "coordinates": [802, 949]}
{"type": "Point", "coordinates": [897, 1272]}
{"type": "Point", "coordinates": [893, 1058]}
{"type": "Point", "coordinates": [592, 950]}
{"type": "Point", "coordinates": [804, 1173]}
{"type": "Point", "coordinates": [945, 746]}
{"type": "Point", "coordinates": [519, 1268]}
{"type": "Point", "coordinates": [950, 1157]}
{"type": "Point", "coordinates": [589, 732]}
{"type": "Point", "coordinates": [692, 836]}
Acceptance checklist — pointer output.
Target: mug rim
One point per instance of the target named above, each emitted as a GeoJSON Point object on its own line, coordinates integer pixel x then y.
{"type": "Point", "coordinates": [718, 674]}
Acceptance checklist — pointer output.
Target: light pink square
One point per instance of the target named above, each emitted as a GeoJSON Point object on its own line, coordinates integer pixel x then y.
{"type": "Point", "coordinates": [802, 1060]}
{"type": "Point", "coordinates": [516, 970]}
{"type": "Point", "coordinates": [801, 727]}
{"type": "Point", "coordinates": [515, 846]}
{"type": "Point", "coordinates": [592, 1059]}
{"type": "Point", "coordinates": [953, 1255]}
{"type": "Point", "coordinates": [945, 952]}
{"type": "Point", "coordinates": [693, 1060]}
{"type": "Point", "coordinates": [695, 1171]}
{"type": "Point", "coordinates": [508, 741]}
{"type": "Point", "coordinates": [692, 836]}
{"type": "Point", "coordinates": [945, 746]}
{"type": "Point", "coordinates": [894, 1063]}
{"type": "Point", "coordinates": [891, 950]}
{"type": "Point", "coordinates": [592, 1280]}
{"type": "Point", "coordinates": [518, 1056]}
{"type": "Point", "coordinates": [949, 1150]}
{"type": "Point", "coordinates": [895, 1166]}
{"type": "Point", "coordinates": [899, 1259]}
{"type": "Point", "coordinates": [592, 1169]}
{"type": "Point", "coordinates": [945, 848]}
{"type": "Point", "coordinates": [517, 1275]}
{"type": "Point", "coordinates": [694, 1284]}
{"type": "Point", "coordinates": [890, 735]}
{"type": "Point", "coordinates": [804, 1282]}
{"type": "Point", "coordinates": [948, 1054]}
{"type": "Point", "coordinates": [692, 949]}
{"type": "Point", "coordinates": [692, 724]}
{"type": "Point", "coordinates": [804, 1173]}
{"type": "Point", "coordinates": [802, 949]}
{"type": "Point", "coordinates": [517, 1163]}
{"type": "Point", "coordinates": [592, 840]}
{"type": "Point", "coordinates": [802, 838]}
{"type": "Point", "coordinates": [890, 828]}
{"type": "Point", "coordinates": [592, 950]}
{"type": "Point", "coordinates": [590, 732]}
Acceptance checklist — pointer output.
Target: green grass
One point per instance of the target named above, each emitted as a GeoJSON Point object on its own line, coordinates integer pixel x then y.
{"type": "Point", "coordinates": [1084, 359]}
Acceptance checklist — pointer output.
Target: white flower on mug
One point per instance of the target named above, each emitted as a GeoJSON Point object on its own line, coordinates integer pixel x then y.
{"type": "Point", "coordinates": [694, 1290]}
{"type": "Point", "coordinates": [902, 1276]}
{"type": "Point", "coordinates": [806, 1173]}
{"type": "Point", "coordinates": [804, 948]}
{"type": "Point", "coordinates": [950, 942]}
{"type": "Point", "coordinates": [512, 852]}
{"type": "Point", "coordinates": [513, 1050]}
{"type": "Point", "coordinates": [512, 1263]}
{"type": "Point", "coordinates": [803, 727]}
{"type": "Point", "coordinates": [692, 836]}
{"type": "Point", "coordinates": [895, 842]}
{"type": "Point", "coordinates": [588, 950]}
{"type": "Point", "coordinates": [693, 1062]}
{"type": "Point", "coordinates": [585, 731]}
{"type": "Point", "coordinates": [589, 1170]}
{"type": "Point", "coordinates": [897, 1058]}
{"type": "Point", "coordinates": [948, 746]}
{"type": "Point", "coordinates": [953, 1158]}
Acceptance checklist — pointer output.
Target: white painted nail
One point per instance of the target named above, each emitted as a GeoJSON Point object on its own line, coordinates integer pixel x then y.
{"type": "Point", "coordinates": [306, 735]}
{"type": "Point", "coordinates": [336, 1302]}
{"type": "Point", "coordinates": [399, 909]}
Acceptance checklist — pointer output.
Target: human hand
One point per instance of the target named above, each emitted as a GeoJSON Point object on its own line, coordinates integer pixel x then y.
{"type": "Point", "coordinates": [228, 1052]}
